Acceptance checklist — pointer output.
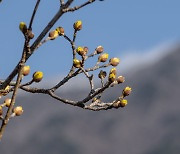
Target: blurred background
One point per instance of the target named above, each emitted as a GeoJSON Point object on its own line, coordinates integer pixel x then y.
{"type": "Point", "coordinates": [145, 35]}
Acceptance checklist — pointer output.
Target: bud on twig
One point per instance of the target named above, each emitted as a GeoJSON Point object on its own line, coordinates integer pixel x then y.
{"type": "Point", "coordinates": [81, 51]}
{"type": "Point", "coordinates": [7, 102]}
{"type": "Point", "coordinates": [99, 49]}
{"type": "Point", "coordinates": [103, 57]}
{"type": "Point", "coordinates": [123, 102]}
{"type": "Point", "coordinates": [112, 77]}
{"type": "Point", "coordinates": [77, 63]}
{"type": "Point", "coordinates": [114, 61]}
{"type": "Point", "coordinates": [18, 110]}
{"type": "Point", "coordinates": [26, 70]}
{"type": "Point", "coordinates": [23, 27]}
{"type": "Point", "coordinates": [53, 34]}
{"type": "Point", "coordinates": [120, 79]}
{"type": "Point", "coordinates": [60, 31]}
{"type": "Point", "coordinates": [78, 25]}
{"type": "Point", "coordinates": [37, 76]}
{"type": "Point", "coordinates": [30, 34]}
{"type": "Point", "coordinates": [102, 74]}
{"type": "Point", "coordinates": [127, 91]}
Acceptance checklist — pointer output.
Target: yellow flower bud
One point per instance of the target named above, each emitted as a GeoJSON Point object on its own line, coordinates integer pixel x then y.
{"type": "Point", "coordinates": [123, 102]}
{"type": "Point", "coordinates": [114, 61]}
{"type": "Point", "coordinates": [53, 34]}
{"type": "Point", "coordinates": [82, 50]}
{"type": "Point", "coordinates": [60, 31]}
{"type": "Point", "coordinates": [77, 63]}
{"type": "Point", "coordinates": [37, 76]}
{"type": "Point", "coordinates": [23, 27]}
{"type": "Point", "coordinates": [6, 89]}
{"type": "Point", "coordinates": [26, 70]}
{"type": "Point", "coordinates": [78, 25]}
{"type": "Point", "coordinates": [120, 79]}
{"type": "Point", "coordinates": [7, 102]}
{"type": "Point", "coordinates": [18, 110]}
{"type": "Point", "coordinates": [127, 91]}
{"type": "Point", "coordinates": [102, 74]}
{"type": "Point", "coordinates": [99, 49]}
{"type": "Point", "coordinates": [113, 70]}
{"type": "Point", "coordinates": [103, 57]}
{"type": "Point", "coordinates": [112, 77]}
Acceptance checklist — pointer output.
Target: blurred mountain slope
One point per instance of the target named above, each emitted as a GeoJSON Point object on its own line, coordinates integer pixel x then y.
{"type": "Point", "coordinates": [150, 123]}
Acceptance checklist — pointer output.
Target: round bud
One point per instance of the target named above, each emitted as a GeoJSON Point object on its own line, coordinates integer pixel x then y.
{"type": "Point", "coordinates": [127, 91]}
{"type": "Point", "coordinates": [102, 74]}
{"type": "Point", "coordinates": [80, 51]}
{"type": "Point", "coordinates": [123, 103]}
{"type": "Point", "coordinates": [37, 76]}
{"type": "Point", "coordinates": [103, 57]}
{"type": "Point", "coordinates": [23, 27]}
{"type": "Point", "coordinates": [18, 110]}
{"type": "Point", "coordinates": [112, 77]}
{"type": "Point", "coordinates": [120, 79]}
{"type": "Point", "coordinates": [114, 61]}
{"type": "Point", "coordinates": [26, 70]}
{"type": "Point", "coordinates": [1, 110]}
{"type": "Point", "coordinates": [30, 34]}
{"type": "Point", "coordinates": [77, 63]}
{"type": "Point", "coordinates": [6, 90]}
{"type": "Point", "coordinates": [78, 25]}
{"type": "Point", "coordinates": [60, 31]}
{"type": "Point", "coordinates": [113, 70]}
{"type": "Point", "coordinates": [53, 34]}
{"type": "Point", "coordinates": [86, 50]}
{"type": "Point", "coordinates": [99, 49]}
{"type": "Point", "coordinates": [7, 102]}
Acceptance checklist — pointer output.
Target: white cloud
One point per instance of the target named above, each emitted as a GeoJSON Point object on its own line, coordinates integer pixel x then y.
{"type": "Point", "coordinates": [141, 59]}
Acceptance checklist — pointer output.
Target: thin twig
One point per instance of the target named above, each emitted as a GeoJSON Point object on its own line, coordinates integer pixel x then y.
{"type": "Point", "coordinates": [33, 15]}
{"type": "Point", "coordinates": [62, 3]}
{"type": "Point", "coordinates": [78, 7]}
{"type": "Point", "coordinates": [19, 78]}
{"type": "Point", "coordinates": [36, 43]}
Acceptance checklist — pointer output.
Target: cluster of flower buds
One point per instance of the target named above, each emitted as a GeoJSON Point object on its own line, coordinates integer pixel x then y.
{"type": "Point", "coordinates": [23, 28]}
{"type": "Point", "coordinates": [120, 103]}
{"type": "Point", "coordinates": [82, 50]}
{"type": "Point", "coordinates": [17, 111]}
{"type": "Point", "coordinates": [55, 33]}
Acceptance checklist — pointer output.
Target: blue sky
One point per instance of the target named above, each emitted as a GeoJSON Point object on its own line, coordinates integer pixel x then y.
{"type": "Point", "coordinates": [120, 26]}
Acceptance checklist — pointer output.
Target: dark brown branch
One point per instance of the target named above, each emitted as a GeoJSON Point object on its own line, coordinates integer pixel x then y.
{"type": "Point", "coordinates": [33, 15]}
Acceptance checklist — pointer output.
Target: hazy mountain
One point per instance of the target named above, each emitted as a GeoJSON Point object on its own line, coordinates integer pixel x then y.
{"type": "Point", "coordinates": [150, 123]}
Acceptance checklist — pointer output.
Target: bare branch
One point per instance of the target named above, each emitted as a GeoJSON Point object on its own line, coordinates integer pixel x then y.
{"type": "Point", "coordinates": [33, 15]}
{"type": "Point", "coordinates": [78, 7]}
